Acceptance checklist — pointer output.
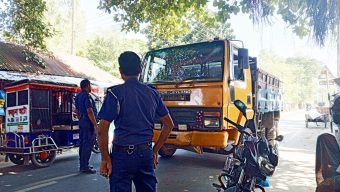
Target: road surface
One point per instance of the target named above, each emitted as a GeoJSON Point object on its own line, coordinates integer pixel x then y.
{"type": "Point", "coordinates": [186, 171]}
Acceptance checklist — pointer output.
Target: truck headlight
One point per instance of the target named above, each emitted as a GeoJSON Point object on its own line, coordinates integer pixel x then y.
{"type": "Point", "coordinates": [213, 122]}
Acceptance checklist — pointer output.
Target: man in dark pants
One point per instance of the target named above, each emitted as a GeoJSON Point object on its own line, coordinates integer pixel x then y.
{"type": "Point", "coordinates": [87, 113]}
{"type": "Point", "coordinates": [133, 107]}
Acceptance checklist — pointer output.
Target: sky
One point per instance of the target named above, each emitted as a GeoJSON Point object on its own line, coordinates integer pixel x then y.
{"type": "Point", "coordinates": [279, 39]}
{"type": "Point", "coordinates": [276, 38]}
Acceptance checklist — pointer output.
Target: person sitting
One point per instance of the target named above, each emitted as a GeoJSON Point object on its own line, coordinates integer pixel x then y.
{"type": "Point", "coordinates": [327, 164]}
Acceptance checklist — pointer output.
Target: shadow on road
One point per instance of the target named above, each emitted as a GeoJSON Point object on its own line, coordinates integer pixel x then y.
{"type": "Point", "coordinates": [189, 159]}
{"type": "Point", "coordinates": [14, 169]}
{"type": "Point", "coordinates": [295, 171]}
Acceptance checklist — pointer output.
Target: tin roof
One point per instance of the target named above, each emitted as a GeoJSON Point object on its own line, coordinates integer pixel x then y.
{"type": "Point", "coordinates": [13, 59]}
{"type": "Point", "coordinates": [26, 81]}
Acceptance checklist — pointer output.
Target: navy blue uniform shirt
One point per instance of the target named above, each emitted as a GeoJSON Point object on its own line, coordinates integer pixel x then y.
{"type": "Point", "coordinates": [133, 106]}
{"type": "Point", "coordinates": [83, 102]}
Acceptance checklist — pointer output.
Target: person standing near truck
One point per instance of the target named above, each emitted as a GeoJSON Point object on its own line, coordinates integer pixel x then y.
{"type": "Point", "coordinates": [87, 115]}
{"type": "Point", "coordinates": [133, 107]}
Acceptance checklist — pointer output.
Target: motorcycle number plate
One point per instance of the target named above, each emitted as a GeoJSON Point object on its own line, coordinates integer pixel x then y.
{"type": "Point", "coordinates": [76, 136]}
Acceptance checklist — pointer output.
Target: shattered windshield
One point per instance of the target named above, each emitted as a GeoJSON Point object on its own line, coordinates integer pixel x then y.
{"type": "Point", "coordinates": [196, 62]}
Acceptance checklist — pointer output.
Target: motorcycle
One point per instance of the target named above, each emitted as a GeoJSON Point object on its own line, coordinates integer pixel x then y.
{"type": "Point", "coordinates": [250, 160]}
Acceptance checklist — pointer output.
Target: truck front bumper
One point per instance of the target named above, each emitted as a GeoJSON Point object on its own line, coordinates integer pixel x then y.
{"type": "Point", "coordinates": [195, 138]}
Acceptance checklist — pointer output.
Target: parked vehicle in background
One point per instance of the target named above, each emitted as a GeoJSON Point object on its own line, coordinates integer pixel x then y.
{"type": "Point", "coordinates": [199, 83]}
{"type": "Point", "coordinates": [317, 114]}
{"type": "Point", "coordinates": [40, 121]}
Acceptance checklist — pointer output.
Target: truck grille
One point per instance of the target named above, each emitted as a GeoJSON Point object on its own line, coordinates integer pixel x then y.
{"type": "Point", "coordinates": [183, 116]}
{"type": "Point", "coordinates": [192, 117]}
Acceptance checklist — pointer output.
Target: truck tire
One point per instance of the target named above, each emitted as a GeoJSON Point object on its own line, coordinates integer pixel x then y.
{"type": "Point", "coordinates": [16, 158]}
{"type": "Point", "coordinates": [167, 151]}
{"type": "Point", "coordinates": [268, 120]}
{"type": "Point", "coordinates": [43, 159]}
{"type": "Point", "coordinates": [272, 133]}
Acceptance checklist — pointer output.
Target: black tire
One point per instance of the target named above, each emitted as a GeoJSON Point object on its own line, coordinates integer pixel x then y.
{"type": "Point", "coordinates": [41, 161]}
{"type": "Point", "coordinates": [16, 159]}
{"type": "Point", "coordinates": [306, 124]}
{"type": "Point", "coordinates": [95, 148]}
{"type": "Point", "coordinates": [167, 151]}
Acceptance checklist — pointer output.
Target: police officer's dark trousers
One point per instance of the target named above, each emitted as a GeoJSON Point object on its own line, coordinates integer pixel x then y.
{"type": "Point", "coordinates": [136, 167]}
{"type": "Point", "coordinates": [87, 138]}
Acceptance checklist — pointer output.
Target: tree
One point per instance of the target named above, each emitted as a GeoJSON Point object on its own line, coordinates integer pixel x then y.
{"type": "Point", "coordinates": [105, 49]}
{"type": "Point", "coordinates": [23, 23]}
{"type": "Point", "coordinates": [167, 17]}
{"type": "Point", "coordinates": [319, 16]}
{"type": "Point", "coordinates": [204, 28]}
{"type": "Point", "coordinates": [298, 74]}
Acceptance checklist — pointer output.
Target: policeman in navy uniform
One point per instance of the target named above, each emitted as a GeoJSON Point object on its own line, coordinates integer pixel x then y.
{"type": "Point", "coordinates": [133, 107]}
{"type": "Point", "coordinates": [87, 114]}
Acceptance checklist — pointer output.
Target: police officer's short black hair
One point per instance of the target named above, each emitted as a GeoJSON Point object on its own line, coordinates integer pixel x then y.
{"type": "Point", "coordinates": [84, 83]}
{"type": "Point", "coordinates": [130, 63]}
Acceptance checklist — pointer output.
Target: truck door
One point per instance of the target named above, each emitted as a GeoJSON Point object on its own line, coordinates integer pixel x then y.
{"type": "Point", "coordinates": [240, 88]}
{"type": "Point", "coordinates": [240, 80]}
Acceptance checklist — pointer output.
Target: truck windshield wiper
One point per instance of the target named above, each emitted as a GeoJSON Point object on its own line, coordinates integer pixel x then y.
{"type": "Point", "coordinates": [192, 79]}
{"type": "Point", "coordinates": [162, 81]}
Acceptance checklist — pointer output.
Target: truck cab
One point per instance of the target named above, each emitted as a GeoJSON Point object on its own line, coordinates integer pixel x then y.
{"type": "Point", "coordinates": [199, 83]}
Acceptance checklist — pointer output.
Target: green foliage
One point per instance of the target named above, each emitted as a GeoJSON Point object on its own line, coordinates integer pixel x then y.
{"type": "Point", "coordinates": [23, 23]}
{"type": "Point", "coordinates": [299, 76]}
{"type": "Point", "coordinates": [168, 17]}
{"type": "Point", "coordinates": [205, 27]}
{"type": "Point", "coordinates": [104, 50]}
{"type": "Point", "coordinates": [318, 16]}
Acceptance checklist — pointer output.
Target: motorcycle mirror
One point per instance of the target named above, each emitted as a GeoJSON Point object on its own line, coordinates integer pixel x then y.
{"type": "Point", "coordinates": [241, 106]}
{"type": "Point", "coordinates": [279, 138]}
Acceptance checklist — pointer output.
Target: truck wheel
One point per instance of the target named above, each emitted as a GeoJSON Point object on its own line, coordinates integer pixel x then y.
{"type": "Point", "coordinates": [16, 159]}
{"type": "Point", "coordinates": [43, 159]}
{"type": "Point", "coordinates": [167, 151]}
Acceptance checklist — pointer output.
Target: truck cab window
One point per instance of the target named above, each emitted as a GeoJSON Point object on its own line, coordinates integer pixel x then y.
{"type": "Point", "coordinates": [236, 73]}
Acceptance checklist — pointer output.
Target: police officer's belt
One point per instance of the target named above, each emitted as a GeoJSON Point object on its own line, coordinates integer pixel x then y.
{"type": "Point", "coordinates": [131, 148]}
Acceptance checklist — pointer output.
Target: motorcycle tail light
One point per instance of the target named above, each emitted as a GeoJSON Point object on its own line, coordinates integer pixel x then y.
{"type": "Point", "coordinates": [27, 141]}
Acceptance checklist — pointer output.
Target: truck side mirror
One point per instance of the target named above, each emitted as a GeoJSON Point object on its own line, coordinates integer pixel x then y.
{"type": "Point", "coordinates": [243, 58]}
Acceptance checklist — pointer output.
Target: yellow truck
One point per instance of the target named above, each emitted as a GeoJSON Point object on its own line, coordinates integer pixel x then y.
{"type": "Point", "coordinates": [199, 82]}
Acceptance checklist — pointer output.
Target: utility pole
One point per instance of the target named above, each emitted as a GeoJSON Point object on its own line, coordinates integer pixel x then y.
{"type": "Point", "coordinates": [338, 48]}
{"type": "Point", "coordinates": [73, 28]}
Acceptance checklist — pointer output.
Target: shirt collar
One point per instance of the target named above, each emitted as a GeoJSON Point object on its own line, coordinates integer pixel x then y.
{"type": "Point", "coordinates": [132, 80]}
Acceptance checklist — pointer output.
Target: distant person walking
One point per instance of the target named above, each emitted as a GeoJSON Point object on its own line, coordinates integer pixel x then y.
{"type": "Point", "coordinates": [87, 114]}
{"type": "Point", "coordinates": [133, 107]}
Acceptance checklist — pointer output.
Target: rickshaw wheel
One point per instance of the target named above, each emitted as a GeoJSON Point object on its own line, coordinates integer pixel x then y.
{"type": "Point", "coordinates": [16, 159]}
{"type": "Point", "coordinates": [167, 151]}
{"type": "Point", "coordinates": [43, 159]}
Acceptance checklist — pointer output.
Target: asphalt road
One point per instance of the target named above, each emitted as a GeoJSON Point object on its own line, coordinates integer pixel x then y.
{"type": "Point", "coordinates": [186, 171]}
